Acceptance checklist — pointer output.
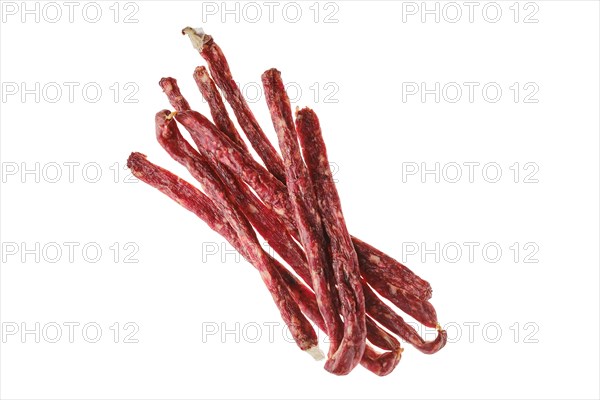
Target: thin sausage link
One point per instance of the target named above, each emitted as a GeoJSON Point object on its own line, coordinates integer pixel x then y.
{"type": "Point", "coordinates": [396, 324]}
{"type": "Point", "coordinates": [171, 89]}
{"type": "Point", "coordinates": [219, 69]}
{"type": "Point", "coordinates": [217, 109]}
{"type": "Point", "coordinates": [343, 257]}
{"type": "Point", "coordinates": [378, 266]}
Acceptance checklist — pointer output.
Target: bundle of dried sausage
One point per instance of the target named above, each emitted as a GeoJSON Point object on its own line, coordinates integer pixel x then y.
{"type": "Point", "coordinates": [292, 202]}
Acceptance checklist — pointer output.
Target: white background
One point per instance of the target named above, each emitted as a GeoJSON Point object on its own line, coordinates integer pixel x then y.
{"type": "Point", "coordinates": [546, 311]}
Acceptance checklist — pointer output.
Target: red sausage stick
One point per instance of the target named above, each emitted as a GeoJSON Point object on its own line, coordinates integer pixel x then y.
{"type": "Point", "coordinates": [218, 111]}
{"type": "Point", "coordinates": [343, 256]}
{"type": "Point", "coordinates": [219, 69]}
